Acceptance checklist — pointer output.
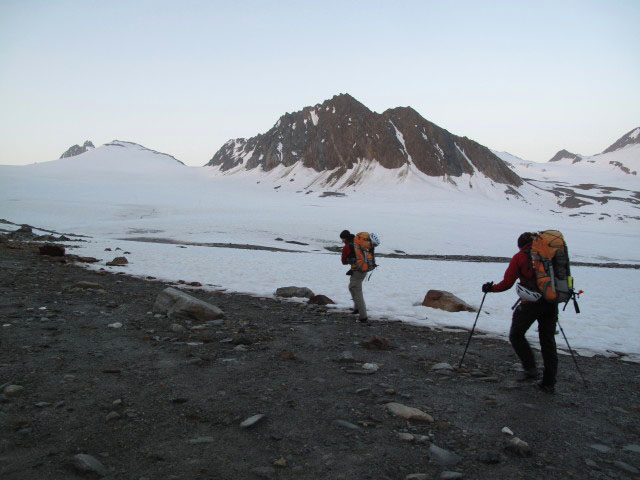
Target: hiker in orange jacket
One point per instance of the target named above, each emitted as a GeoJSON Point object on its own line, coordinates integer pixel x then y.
{"type": "Point", "coordinates": [356, 276]}
{"type": "Point", "coordinates": [531, 308]}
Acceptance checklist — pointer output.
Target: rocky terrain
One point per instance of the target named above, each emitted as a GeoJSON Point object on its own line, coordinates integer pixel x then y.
{"type": "Point", "coordinates": [94, 384]}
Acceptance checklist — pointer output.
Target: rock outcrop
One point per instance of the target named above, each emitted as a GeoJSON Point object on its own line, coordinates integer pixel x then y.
{"type": "Point", "coordinates": [77, 149]}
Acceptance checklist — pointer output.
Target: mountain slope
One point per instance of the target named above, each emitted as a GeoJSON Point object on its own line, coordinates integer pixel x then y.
{"type": "Point", "coordinates": [341, 134]}
{"type": "Point", "coordinates": [629, 138]}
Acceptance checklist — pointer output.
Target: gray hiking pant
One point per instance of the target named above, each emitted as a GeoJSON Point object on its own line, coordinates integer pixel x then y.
{"type": "Point", "coordinates": [355, 288]}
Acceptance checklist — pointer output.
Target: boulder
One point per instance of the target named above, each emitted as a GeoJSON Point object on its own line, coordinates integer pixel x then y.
{"type": "Point", "coordinates": [177, 304]}
{"type": "Point", "coordinates": [118, 262]}
{"type": "Point", "coordinates": [52, 250]}
{"type": "Point", "coordinates": [446, 301]}
{"type": "Point", "coordinates": [321, 300]}
{"type": "Point", "coordinates": [289, 292]}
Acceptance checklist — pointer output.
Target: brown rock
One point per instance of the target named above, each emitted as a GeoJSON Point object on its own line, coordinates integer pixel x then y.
{"type": "Point", "coordinates": [118, 262]}
{"type": "Point", "coordinates": [52, 250]}
{"type": "Point", "coordinates": [320, 300]}
{"type": "Point", "coordinates": [446, 301]}
{"type": "Point", "coordinates": [376, 343]}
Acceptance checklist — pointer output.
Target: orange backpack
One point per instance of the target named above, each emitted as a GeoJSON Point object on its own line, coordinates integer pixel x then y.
{"type": "Point", "coordinates": [363, 248]}
{"type": "Point", "coordinates": [550, 261]}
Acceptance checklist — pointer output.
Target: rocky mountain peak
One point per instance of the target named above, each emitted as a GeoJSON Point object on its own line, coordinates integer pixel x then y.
{"type": "Point", "coordinates": [629, 138]}
{"type": "Point", "coordinates": [562, 154]}
{"type": "Point", "coordinates": [77, 149]}
{"type": "Point", "coordinates": [342, 135]}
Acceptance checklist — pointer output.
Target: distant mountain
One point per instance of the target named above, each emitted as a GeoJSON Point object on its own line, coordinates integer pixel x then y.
{"type": "Point", "coordinates": [77, 149]}
{"type": "Point", "coordinates": [563, 154]}
{"type": "Point", "coordinates": [630, 138]}
{"type": "Point", "coordinates": [341, 135]}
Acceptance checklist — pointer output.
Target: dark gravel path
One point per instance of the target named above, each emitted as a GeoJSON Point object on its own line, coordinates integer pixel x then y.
{"type": "Point", "coordinates": [180, 391]}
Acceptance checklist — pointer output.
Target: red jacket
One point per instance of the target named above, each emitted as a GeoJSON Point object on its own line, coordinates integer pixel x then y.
{"type": "Point", "coordinates": [519, 269]}
{"type": "Point", "coordinates": [347, 254]}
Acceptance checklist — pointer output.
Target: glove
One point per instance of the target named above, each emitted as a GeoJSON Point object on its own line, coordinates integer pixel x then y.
{"type": "Point", "coordinates": [487, 287]}
{"type": "Point", "coordinates": [350, 272]}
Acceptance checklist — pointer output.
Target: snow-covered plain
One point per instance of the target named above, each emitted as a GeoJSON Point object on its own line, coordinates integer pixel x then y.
{"type": "Point", "coordinates": [122, 191]}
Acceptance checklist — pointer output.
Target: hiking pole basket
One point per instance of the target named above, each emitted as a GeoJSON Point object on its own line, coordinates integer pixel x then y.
{"type": "Point", "coordinates": [572, 355]}
{"type": "Point", "coordinates": [471, 334]}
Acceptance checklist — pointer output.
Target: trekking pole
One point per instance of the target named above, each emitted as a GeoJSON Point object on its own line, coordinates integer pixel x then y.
{"type": "Point", "coordinates": [474, 327]}
{"type": "Point", "coordinates": [572, 355]}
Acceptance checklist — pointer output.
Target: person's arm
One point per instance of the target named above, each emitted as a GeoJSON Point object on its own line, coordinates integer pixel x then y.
{"type": "Point", "coordinates": [511, 274]}
{"type": "Point", "coordinates": [346, 250]}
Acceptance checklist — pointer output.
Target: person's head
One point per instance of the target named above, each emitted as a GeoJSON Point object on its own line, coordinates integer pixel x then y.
{"type": "Point", "coordinates": [524, 239]}
{"type": "Point", "coordinates": [344, 235]}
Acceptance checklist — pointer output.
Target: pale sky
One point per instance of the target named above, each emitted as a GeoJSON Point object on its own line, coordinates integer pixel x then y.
{"type": "Point", "coordinates": [183, 77]}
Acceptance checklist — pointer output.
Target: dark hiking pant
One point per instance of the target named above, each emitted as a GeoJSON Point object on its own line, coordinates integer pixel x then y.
{"type": "Point", "coordinates": [547, 316]}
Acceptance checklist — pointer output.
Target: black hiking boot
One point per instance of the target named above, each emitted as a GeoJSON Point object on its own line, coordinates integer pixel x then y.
{"type": "Point", "coordinates": [354, 311]}
{"type": "Point", "coordinates": [546, 388]}
{"type": "Point", "coordinates": [528, 375]}
{"type": "Point", "coordinates": [363, 320]}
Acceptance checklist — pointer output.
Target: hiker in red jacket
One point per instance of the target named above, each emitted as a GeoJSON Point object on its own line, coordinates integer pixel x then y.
{"type": "Point", "coordinates": [356, 276]}
{"type": "Point", "coordinates": [532, 307]}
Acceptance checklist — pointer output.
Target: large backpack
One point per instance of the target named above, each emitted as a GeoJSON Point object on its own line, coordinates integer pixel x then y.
{"type": "Point", "coordinates": [363, 248]}
{"type": "Point", "coordinates": [550, 261]}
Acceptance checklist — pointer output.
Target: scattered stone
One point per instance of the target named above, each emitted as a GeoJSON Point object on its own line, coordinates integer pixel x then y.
{"type": "Point", "coordinates": [112, 416]}
{"type": "Point", "coordinates": [88, 286]}
{"type": "Point", "coordinates": [518, 447]}
{"type": "Point", "coordinates": [176, 328]}
{"type": "Point", "coordinates": [12, 390]}
{"type": "Point", "coordinates": [345, 357]}
{"type": "Point", "coordinates": [376, 343]}
{"type": "Point", "coordinates": [600, 448]}
{"type": "Point", "coordinates": [371, 366]}
{"type": "Point", "coordinates": [345, 424]}
{"type": "Point", "coordinates": [406, 437]}
{"type": "Point", "coordinates": [43, 404]}
{"type": "Point", "coordinates": [201, 440]}
{"type": "Point", "coordinates": [417, 476]}
{"type": "Point", "coordinates": [177, 304]}
{"type": "Point", "coordinates": [87, 464]}
{"type": "Point", "coordinates": [290, 292]}
{"type": "Point", "coordinates": [115, 325]}
{"type": "Point", "coordinates": [447, 475]}
{"type": "Point", "coordinates": [626, 467]}
{"type": "Point", "coordinates": [194, 284]}
{"type": "Point", "coordinates": [443, 457]}
{"type": "Point", "coordinates": [442, 366]}
{"type": "Point", "coordinates": [591, 463]}
{"type": "Point", "coordinates": [321, 300]}
{"type": "Point", "coordinates": [251, 421]}
{"type": "Point", "coordinates": [118, 262]}
{"type": "Point", "coordinates": [408, 413]}
{"type": "Point", "coordinates": [507, 431]}
{"type": "Point", "coordinates": [632, 448]}
{"type": "Point", "coordinates": [287, 356]}
{"type": "Point", "coordinates": [281, 462]}
{"type": "Point", "coordinates": [446, 301]}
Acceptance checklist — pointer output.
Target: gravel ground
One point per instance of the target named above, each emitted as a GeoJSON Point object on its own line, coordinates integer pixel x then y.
{"type": "Point", "coordinates": [161, 398]}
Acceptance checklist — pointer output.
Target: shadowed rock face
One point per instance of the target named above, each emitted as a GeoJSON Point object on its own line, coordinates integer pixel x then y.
{"type": "Point", "coordinates": [630, 138]}
{"type": "Point", "coordinates": [340, 132]}
{"type": "Point", "coordinates": [77, 149]}
{"type": "Point", "coordinates": [565, 154]}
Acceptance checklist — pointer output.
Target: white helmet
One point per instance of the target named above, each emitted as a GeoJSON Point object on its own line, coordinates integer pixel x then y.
{"type": "Point", "coordinates": [375, 241]}
{"type": "Point", "coordinates": [526, 294]}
